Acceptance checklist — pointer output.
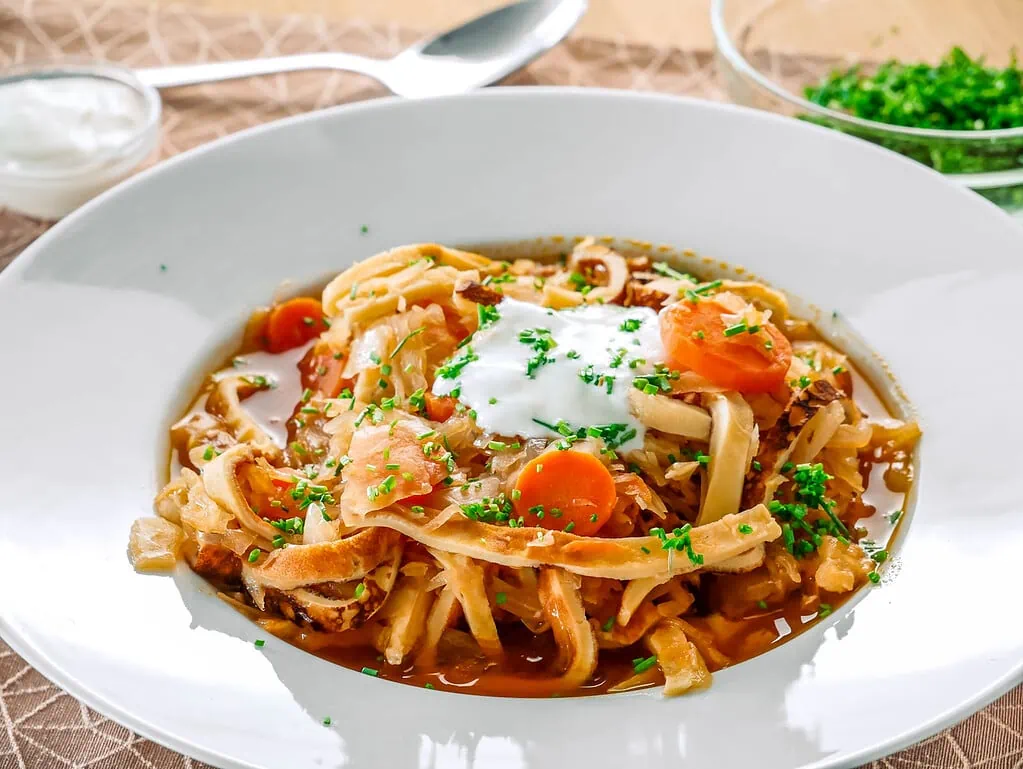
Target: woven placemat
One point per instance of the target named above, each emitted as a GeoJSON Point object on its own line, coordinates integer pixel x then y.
{"type": "Point", "coordinates": [42, 727]}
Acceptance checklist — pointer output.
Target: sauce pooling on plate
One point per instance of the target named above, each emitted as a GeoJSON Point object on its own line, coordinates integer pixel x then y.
{"type": "Point", "coordinates": [529, 368]}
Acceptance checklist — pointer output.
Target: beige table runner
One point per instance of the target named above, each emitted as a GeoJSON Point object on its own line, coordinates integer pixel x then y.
{"type": "Point", "coordinates": [42, 727]}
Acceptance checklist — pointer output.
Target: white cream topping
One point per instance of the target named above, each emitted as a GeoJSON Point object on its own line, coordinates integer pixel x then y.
{"type": "Point", "coordinates": [589, 343]}
{"type": "Point", "coordinates": [66, 122]}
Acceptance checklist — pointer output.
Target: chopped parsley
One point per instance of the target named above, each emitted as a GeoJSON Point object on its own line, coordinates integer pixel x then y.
{"type": "Point", "coordinates": [661, 268]}
{"type": "Point", "coordinates": [745, 528]}
{"type": "Point", "coordinates": [360, 590]}
{"type": "Point", "coordinates": [579, 283]}
{"type": "Point", "coordinates": [417, 400]}
{"type": "Point", "coordinates": [501, 599]}
{"type": "Point", "coordinates": [540, 341]}
{"type": "Point", "coordinates": [613, 435]}
{"type": "Point", "coordinates": [294, 525]}
{"type": "Point", "coordinates": [631, 325]}
{"type": "Point", "coordinates": [404, 341]}
{"type": "Point", "coordinates": [810, 483]}
{"type": "Point", "coordinates": [502, 446]}
{"type": "Point", "coordinates": [659, 381]}
{"type": "Point", "coordinates": [306, 493]}
{"type": "Point", "coordinates": [679, 540]}
{"type": "Point", "coordinates": [589, 376]}
{"type": "Point", "coordinates": [642, 664]}
{"type": "Point", "coordinates": [454, 366]}
{"type": "Point", "coordinates": [260, 643]}
{"type": "Point", "coordinates": [695, 294]}
{"type": "Point", "coordinates": [496, 510]}
{"type": "Point", "coordinates": [488, 315]}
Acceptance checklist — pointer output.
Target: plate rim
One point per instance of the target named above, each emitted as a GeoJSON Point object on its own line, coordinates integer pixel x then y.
{"type": "Point", "coordinates": [109, 709]}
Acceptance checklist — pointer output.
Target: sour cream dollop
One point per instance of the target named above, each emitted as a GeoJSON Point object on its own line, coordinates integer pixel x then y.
{"type": "Point", "coordinates": [588, 358]}
{"type": "Point", "coordinates": [65, 122]}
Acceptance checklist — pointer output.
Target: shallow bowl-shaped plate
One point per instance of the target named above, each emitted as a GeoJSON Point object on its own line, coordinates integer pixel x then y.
{"type": "Point", "coordinates": [108, 320]}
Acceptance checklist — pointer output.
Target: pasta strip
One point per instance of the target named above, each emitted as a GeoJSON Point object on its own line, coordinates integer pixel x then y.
{"type": "Point", "coordinates": [406, 612]}
{"type": "Point", "coordinates": [220, 480]}
{"type": "Point", "coordinates": [443, 614]}
{"type": "Point", "coordinates": [465, 577]}
{"type": "Point", "coordinates": [226, 399]}
{"type": "Point", "coordinates": [679, 660]}
{"type": "Point", "coordinates": [339, 561]}
{"type": "Point", "coordinates": [622, 558]}
{"type": "Point", "coordinates": [563, 608]}
{"type": "Point", "coordinates": [635, 592]}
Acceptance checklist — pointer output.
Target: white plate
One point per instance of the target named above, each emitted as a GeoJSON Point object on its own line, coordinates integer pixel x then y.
{"type": "Point", "coordinates": [101, 348]}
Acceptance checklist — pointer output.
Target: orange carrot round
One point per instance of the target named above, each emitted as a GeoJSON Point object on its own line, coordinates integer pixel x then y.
{"type": "Point", "coordinates": [694, 336]}
{"type": "Point", "coordinates": [293, 323]}
{"type": "Point", "coordinates": [568, 491]}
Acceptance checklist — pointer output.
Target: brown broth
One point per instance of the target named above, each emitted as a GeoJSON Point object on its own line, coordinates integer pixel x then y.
{"type": "Point", "coordinates": [528, 668]}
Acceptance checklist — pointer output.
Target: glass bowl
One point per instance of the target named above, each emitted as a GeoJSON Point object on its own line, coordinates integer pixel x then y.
{"type": "Point", "coordinates": [769, 51]}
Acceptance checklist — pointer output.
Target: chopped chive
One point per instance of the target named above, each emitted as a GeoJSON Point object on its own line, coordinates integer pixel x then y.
{"type": "Point", "coordinates": [409, 335]}
{"type": "Point", "coordinates": [501, 598]}
{"type": "Point", "coordinates": [371, 671]}
{"type": "Point", "coordinates": [260, 643]}
{"type": "Point", "coordinates": [642, 664]}
{"type": "Point", "coordinates": [254, 555]}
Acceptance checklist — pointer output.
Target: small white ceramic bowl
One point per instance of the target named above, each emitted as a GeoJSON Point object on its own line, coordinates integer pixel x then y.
{"type": "Point", "coordinates": [52, 192]}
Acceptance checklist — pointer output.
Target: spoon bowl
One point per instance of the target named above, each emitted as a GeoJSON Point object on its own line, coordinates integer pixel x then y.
{"type": "Point", "coordinates": [478, 53]}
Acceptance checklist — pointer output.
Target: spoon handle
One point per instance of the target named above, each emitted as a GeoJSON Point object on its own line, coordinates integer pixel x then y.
{"type": "Point", "coordinates": [190, 74]}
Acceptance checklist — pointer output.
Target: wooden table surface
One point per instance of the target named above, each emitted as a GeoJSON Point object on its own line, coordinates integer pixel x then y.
{"type": "Point", "coordinates": [903, 28]}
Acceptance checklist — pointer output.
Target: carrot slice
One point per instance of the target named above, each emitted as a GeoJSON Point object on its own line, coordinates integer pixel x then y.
{"type": "Point", "coordinates": [293, 323]}
{"type": "Point", "coordinates": [694, 338]}
{"type": "Point", "coordinates": [322, 371]}
{"type": "Point", "coordinates": [566, 491]}
{"type": "Point", "coordinates": [439, 408]}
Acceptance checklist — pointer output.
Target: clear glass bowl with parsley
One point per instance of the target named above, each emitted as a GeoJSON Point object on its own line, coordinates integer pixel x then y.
{"type": "Point", "coordinates": [937, 82]}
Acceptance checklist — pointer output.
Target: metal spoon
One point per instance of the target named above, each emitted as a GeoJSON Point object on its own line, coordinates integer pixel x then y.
{"type": "Point", "coordinates": [475, 54]}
